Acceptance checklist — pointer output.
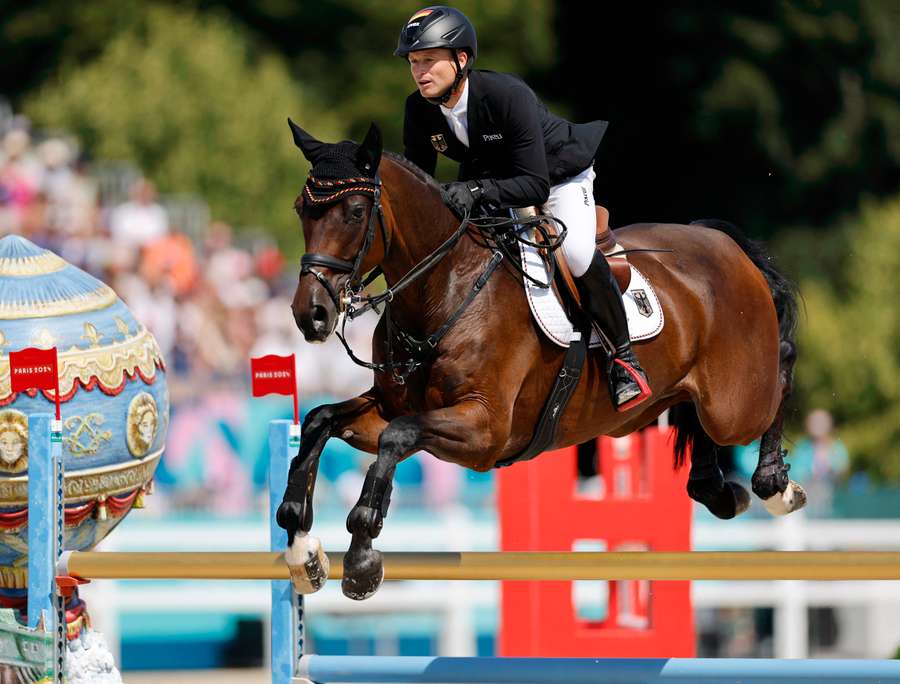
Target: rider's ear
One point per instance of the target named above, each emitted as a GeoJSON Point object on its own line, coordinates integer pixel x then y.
{"type": "Point", "coordinates": [369, 154]}
{"type": "Point", "coordinates": [307, 144]}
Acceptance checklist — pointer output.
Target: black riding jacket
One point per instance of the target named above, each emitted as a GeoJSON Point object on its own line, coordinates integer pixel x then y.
{"type": "Point", "coordinates": [516, 146]}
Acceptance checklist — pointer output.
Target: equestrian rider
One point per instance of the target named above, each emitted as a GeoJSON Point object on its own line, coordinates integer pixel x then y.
{"type": "Point", "coordinates": [513, 153]}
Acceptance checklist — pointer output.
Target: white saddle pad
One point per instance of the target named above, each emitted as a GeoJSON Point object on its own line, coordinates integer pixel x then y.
{"type": "Point", "coordinates": [645, 315]}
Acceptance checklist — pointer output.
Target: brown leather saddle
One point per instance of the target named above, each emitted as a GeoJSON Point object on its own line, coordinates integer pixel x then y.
{"type": "Point", "coordinates": [606, 242]}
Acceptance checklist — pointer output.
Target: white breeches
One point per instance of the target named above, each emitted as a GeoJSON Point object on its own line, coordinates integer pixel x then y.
{"type": "Point", "coordinates": [572, 201]}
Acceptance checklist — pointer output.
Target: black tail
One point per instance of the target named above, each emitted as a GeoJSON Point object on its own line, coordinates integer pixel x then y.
{"type": "Point", "coordinates": [690, 437]}
{"type": "Point", "coordinates": [689, 434]}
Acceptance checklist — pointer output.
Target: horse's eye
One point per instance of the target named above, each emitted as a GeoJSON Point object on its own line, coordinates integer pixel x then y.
{"type": "Point", "coordinates": [357, 213]}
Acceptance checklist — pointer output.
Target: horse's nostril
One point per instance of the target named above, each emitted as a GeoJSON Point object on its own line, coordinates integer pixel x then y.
{"type": "Point", "coordinates": [319, 314]}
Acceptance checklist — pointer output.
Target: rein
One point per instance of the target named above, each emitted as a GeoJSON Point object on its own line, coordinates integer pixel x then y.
{"type": "Point", "coordinates": [351, 303]}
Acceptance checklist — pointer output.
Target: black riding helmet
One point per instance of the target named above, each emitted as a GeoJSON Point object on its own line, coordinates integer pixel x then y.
{"type": "Point", "coordinates": [440, 27]}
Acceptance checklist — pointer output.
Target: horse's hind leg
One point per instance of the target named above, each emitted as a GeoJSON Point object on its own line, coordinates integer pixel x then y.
{"type": "Point", "coordinates": [356, 420]}
{"type": "Point", "coordinates": [770, 481]}
{"type": "Point", "coordinates": [706, 483]}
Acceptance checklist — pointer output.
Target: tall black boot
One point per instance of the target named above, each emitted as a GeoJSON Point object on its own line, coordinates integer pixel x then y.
{"type": "Point", "coordinates": [602, 299]}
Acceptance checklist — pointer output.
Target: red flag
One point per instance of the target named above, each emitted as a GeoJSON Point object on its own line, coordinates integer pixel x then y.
{"type": "Point", "coordinates": [34, 368]}
{"type": "Point", "coordinates": [274, 375]}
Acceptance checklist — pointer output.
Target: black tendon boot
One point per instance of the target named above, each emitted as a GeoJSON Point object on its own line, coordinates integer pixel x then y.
{"type": "Point", "coordinates": [602, 299]}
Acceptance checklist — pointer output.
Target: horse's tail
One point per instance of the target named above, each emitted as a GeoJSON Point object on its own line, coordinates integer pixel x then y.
{"type": "Point", "coordinates": [690, 437]}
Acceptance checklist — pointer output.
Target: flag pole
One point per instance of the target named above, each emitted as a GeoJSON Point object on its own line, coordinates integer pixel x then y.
{"type": "Point", "coordinates": [296, 393]}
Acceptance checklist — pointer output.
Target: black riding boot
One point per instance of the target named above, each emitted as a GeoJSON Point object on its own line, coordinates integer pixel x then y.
{"type": "Point", "coordinates": [602, 299]}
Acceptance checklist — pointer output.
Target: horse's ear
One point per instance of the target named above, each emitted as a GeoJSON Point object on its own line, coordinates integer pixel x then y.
{"type": "Point", "coordinates": [307, 144]}
{"type": "Point", "coordinates": [369, 154]}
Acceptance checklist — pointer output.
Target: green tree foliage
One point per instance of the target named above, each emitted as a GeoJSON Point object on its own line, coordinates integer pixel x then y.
{"type": "Point", "coordinates": [767, 113]}
{"type": "Point", "coordinates": [188, 98]}
{"type": "Point", "coordinates": [849, 357]}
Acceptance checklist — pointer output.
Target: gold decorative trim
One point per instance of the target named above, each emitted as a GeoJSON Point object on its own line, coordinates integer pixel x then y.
{"type": "Point", "coordinates": [13, 578]}
{"type": "Point", "coordinates": [89, 484]}
{"type": "Point", "coordinates": [40, 264]}
{"type": "Point", "coordinates": [101, 298]}
{"type": "Point", "coordinates": [88, 426]}
{"type": "Point", "coordinates": [106, 363]}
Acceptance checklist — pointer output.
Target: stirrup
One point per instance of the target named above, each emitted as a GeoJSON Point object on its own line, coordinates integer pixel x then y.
{"type": "Point", "coordinates": [645, 391]}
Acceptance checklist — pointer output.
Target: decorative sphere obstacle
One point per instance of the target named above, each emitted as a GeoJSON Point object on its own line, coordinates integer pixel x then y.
{"type": "Point", "coordinates": [289, 665]}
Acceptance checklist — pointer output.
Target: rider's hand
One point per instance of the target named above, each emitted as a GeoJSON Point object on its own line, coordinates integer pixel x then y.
{"type": "Point", "coordinates": [462, 197]}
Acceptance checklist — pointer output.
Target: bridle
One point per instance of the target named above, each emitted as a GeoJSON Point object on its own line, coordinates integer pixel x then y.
{"type": "Point", "coordinates": [322, 192]}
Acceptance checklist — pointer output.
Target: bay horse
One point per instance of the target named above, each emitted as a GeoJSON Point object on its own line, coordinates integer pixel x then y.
{"type": "Point", "coordinates": [723, 362]}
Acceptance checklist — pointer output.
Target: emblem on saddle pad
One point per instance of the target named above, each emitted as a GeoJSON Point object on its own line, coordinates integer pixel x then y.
{"type": "Point", "coordinates": [438, 142]}
{"type": "Point", "coordinates": [644, 307]}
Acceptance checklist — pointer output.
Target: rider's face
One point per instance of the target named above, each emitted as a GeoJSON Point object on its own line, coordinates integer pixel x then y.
{"type": "Point", "coordinates": [433, 70]}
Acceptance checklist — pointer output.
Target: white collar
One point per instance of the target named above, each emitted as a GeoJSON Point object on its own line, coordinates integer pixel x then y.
{"type": "Point", "coordinates": [461, 106]}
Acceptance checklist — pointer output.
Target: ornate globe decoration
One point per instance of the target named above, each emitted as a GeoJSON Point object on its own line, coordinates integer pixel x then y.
{"type": "Point", "coordinates": [114, 401]}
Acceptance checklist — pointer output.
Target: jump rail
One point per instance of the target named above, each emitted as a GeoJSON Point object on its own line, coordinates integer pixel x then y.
{"type": "Point", "coordinates": [523, 565]}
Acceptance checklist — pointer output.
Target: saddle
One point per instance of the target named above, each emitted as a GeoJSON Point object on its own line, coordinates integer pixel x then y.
{"type": "Point", "coordinates": [605, 241]}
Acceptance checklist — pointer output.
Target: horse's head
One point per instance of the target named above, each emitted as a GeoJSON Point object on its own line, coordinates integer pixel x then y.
{"type": "Point", "coordinates": [339, 208]}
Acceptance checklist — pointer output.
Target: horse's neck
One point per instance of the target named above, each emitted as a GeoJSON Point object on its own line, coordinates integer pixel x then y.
{"type": "Point", "coordinates": [419, 224]}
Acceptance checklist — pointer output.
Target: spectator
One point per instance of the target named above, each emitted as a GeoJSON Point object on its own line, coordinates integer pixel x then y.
{"type": "Point", "coordinates": [141, 220]}
{"type": "Point", "coordinates": [818, 462]}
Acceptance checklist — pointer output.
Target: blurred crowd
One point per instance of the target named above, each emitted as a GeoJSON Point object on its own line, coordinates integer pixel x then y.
{"type": "Point", "coordinates": [212, 298]}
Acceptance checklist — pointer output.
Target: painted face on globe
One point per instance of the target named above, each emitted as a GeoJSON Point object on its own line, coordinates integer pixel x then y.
{"type": "Point", "coordinates": [147, 428]}
{"type": "Point", "coordinates": [11, 447]}
{"type": "Point", "coordinates": [143, 421]}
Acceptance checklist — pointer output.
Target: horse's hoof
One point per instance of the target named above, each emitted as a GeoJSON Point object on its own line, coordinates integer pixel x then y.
{"type": "Point", "coordinates": [741, 498]}
{"type": "Point", "coordinates": [308, 564]}
{"type": "Point", "coordinates": [725, 501]}
{"type": "Point", "coordinates": [363, 574]}
{"type": "Point", "coordinates": [793, 498]}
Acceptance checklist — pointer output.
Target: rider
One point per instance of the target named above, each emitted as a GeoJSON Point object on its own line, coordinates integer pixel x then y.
{"type": "Point", "coordinates": [512, 153]}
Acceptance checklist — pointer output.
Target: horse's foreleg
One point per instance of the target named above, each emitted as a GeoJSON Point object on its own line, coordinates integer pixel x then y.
{"type": "Point", "coordinates": [457, 433]}
{"type": "Point", "coordinates": [305, 556]}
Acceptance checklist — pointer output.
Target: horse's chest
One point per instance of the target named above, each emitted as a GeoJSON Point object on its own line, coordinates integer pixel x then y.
{"type": "Point", "coordinates": [428, 389]}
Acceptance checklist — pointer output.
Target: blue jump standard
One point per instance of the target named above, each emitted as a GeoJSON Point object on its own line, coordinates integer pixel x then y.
{"type": "Point", "coordinates": [375, 669]}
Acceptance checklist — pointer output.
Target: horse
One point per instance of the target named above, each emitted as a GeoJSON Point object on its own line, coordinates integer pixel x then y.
{"type": "Point", "coordinates": [462, 372]}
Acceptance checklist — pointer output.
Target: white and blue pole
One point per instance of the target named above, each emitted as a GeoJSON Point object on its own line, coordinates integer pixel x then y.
{"type": "Point", "coordinates": [287, 605]}
{"type": "Point", "coordinates": [46, 519]}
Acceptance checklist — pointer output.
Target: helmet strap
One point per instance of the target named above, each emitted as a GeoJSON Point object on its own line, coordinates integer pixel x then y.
{"type": "Point", "coordinates": [460, 75]}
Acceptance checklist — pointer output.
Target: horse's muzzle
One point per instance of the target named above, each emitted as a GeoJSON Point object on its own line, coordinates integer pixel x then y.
{"type": "Point", "coordinates": [316, 317]}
